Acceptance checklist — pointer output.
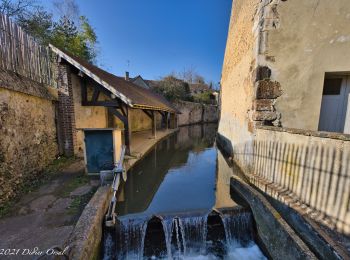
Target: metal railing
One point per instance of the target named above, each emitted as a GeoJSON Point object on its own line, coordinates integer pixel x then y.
{"type": "Point", "coordinates": [117, 173]}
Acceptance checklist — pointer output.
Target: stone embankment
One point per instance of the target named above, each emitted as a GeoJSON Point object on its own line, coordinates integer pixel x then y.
{"type": "Point", "coordinates": [196, 113]}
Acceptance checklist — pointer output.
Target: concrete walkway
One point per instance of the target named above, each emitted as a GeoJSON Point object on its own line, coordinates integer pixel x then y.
{"type": "Point", "coordinates": [47, 217]}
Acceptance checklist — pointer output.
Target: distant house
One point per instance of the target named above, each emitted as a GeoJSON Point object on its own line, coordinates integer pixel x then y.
{"type": "Point", "coordinates": [139, 81]}
{"type": "Point", "coordinates": [215, 95]}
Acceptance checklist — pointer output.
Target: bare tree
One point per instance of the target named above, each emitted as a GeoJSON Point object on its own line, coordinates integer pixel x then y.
{"type": "Point", "coordinates": [16, 8]}
{"type": "Point", "coordinates": [188, 74]}
{"type": "Point", "coordinates": [198, 79]}
{"type": "Point", "coordinates": [67, 9]}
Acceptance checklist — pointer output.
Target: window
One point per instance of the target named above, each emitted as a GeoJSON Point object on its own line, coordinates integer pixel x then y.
{"type": "Point", "coordinates": [335, 114]}
{"type": "Point", "coordinates": [332, 86]}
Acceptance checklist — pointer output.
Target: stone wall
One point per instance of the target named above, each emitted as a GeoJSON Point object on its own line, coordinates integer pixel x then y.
{"type": "Point", "coordinates": [210, 114]}
{"type": "Point", "coordinates": [237, 83]}
{"type": "Point", "coordinates": [305, 40]}
{"type": "Point", "coordinates": [275, 64]}
{"type": "Point", "coordinates": [28, 140]}
{"type": "Point", "coordinates": [304, 169]}
{"type": "Point", "coordinates": [195, 113]}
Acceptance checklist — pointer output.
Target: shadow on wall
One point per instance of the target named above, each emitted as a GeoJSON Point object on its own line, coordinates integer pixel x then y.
{"type": "Point", "coordinates": [304, 172]}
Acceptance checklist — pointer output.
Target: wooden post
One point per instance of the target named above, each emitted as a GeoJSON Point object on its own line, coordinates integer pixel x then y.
{"type": "Point", "coordinates": [166, 120]}
{"type": "Point", "coordinates": [125, 118]}
{"type": "Point", "coordinates": [154, 124]}
{"type": "Point", "coordinates": [127, 132]}
{"type": "Point", "coordinates": [172, 120]}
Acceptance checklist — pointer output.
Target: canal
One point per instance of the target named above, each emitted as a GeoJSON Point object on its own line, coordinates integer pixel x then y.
{"type": "Point", "coordinates": [176, 204]}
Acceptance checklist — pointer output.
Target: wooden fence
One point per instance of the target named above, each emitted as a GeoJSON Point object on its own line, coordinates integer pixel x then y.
{"type": "Point", "coordinates": [21, 53]}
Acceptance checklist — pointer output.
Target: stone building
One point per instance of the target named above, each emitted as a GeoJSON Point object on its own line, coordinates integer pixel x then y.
{"type": "Point", "coordinates": [287, 64]}
{"type": "Point", "coordinates": [284, 100]}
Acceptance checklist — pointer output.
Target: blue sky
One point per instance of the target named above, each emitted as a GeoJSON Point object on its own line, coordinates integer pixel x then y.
{"type": "Point", "coordinates": [159, 36]}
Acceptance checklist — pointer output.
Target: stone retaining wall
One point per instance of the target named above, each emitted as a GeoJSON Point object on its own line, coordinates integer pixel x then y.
{"type": "Point", "coordinates": [306, 170]}
{"type": "Point", "coordinates": [274, 232]}
{"type": "Point", "coordinates": [28, 140]}
{"type": "Point", "coordinates": [85, 240]}
{"type": "Point", "coordinates": [196, 113]}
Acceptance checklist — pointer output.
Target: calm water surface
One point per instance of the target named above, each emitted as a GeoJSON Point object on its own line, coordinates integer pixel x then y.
{"type": "Point", "coordinates": [178, 175]}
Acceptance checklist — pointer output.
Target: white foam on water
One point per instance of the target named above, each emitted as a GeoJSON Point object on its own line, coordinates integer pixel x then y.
{"type": "Point", "coordinates": [251, 252]}
{"type": "Point", "coordinates": [235, 252]}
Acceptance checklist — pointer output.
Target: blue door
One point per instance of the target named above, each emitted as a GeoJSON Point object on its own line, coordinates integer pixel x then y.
{"type": "Point", "coordinates": [99, 150]}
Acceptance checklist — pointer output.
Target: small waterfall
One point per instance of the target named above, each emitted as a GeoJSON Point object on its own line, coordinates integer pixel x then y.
{"type": "Point", "coordinates": [132, 238]}
{"type": "Point", "coordinates": [108, 246]}
{"type": "Point", "coordinates": [194, 233]}
{"type": "Point", "coordinates": [238, 228]}
{"type": "Point", "coordinates": [179, 247]}
{"type": "Point", "coordinates": [168, 227]}
{"type": "Point", "coordinates": [185, 235]}
{"type": "Point", "coordinates": [180, 237]}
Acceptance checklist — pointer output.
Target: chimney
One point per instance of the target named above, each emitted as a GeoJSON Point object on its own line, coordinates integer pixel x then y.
{"type": "Point", "coordinates": [127, 76]}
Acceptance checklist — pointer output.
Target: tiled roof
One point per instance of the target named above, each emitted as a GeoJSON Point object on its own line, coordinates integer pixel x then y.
{"type": "Point", "coordinates": [128, 92]}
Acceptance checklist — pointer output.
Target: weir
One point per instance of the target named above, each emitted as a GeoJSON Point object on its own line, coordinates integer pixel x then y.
{"type": "Point", "coordinates": [210, 235]}
{"type": "Point", "coordinates": [176, 204]}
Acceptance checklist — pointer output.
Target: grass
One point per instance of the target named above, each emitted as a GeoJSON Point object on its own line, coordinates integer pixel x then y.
{"type": "Point", "coordinates": [79, 202]}
{"type": "Point", "coordinates": [5, 209]}
{"type": "Point", "coordinates": [73, 184]}
{"type": "Point", "coordinates": [51, 171]}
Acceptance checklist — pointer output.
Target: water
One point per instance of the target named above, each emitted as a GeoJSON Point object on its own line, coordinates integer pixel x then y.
{"type": "Point", "coordinates": [166, 206]}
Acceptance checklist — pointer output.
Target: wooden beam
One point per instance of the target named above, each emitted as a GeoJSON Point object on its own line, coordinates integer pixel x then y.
{"type": "Point", "coordinates": [107, 103]}
{"type": "Point", "coordinates": [91, 75]}
{"type": "Point", "coordinates": [115, 112]}
{"type": "Point", "coordinates": [154, 124]}
{"type": "Point", "coordinates": [167, 121]}
{"type": "Point", "coordinates": [94, 101]}
{"type": "Point", "coordinates": [123, 109]}
{"type": "Point", "coordinates": [162, 113]}
{"type": "Point", "coordinates": [127, 132]}
{"type": "Point", "coordinates": [95, 95]}
{"type": "Point", "coordinates": [83, 91]}
{"type": "Point", "coordinates": [173, 121]}
{"type": "Point", "coordinates": [148, 113]}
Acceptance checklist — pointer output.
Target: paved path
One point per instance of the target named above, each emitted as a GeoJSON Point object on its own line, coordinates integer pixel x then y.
{"type": "Point", "coordinates": [46, 217]}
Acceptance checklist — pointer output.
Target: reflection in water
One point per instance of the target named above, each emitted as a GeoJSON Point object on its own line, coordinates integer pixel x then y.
{"type": "Point", "coordinates": [177, 175]}
{"type": "Point", "coordinates": [165, 207]}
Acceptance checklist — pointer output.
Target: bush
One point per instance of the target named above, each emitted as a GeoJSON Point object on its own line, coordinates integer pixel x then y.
{"type": "Point", "coordinates": [173, 89]}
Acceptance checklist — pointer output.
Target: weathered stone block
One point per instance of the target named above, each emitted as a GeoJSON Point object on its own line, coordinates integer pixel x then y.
{"type": "Point", "coordinates": [261, 73]}
{"type": "Point", "coordinates": [264, 115]}
{"type": "Point", "coordinates": [266, 89]}
{"type": "Point", "coordinates": [252, 125]}
{"type": "Point", "coordinates": [263, 105]}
